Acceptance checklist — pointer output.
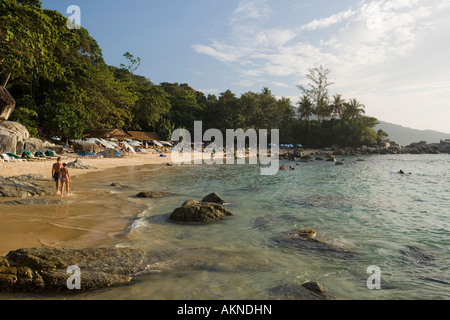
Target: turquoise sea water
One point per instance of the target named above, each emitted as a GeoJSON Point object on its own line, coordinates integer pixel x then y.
{"type": "Point", "coordinates": [400, 223]}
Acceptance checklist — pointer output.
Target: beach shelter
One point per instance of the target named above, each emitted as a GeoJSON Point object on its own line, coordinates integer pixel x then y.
{"type": "Point", "coordinates": [129, 147]}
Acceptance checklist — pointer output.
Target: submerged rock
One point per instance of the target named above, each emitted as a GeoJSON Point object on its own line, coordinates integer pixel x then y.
{"type": "Point", "coordinates": [306, 291]}
{"type": "Point", "coordinates": [194, 211]}
{"type": "Point", "coordinates": [153, 195]}
{"type": "Point", "coordinates": [36, 202]}
{"type": "Point", "coordinates": [306, 239]}
{"type": "Point", "coordinates": [44, 269]}
{"type": "Point", "coordinates": [418, 255]}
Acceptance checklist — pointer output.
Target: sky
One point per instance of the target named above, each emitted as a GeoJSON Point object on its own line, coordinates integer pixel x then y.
{"type": "Point", "coordinates": [393, 56]}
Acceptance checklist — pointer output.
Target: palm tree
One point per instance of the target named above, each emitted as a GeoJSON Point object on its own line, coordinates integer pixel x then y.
{"type": "Point", "coordinates": [337, 107]}
{"type": "Point", "coordinates": [306, 109]}
{"type": "Point", "coordinates": [354, 110]}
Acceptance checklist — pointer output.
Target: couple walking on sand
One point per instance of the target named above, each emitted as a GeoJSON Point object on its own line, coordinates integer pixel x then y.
{"type": "Point", "coordinates": [61, 175]}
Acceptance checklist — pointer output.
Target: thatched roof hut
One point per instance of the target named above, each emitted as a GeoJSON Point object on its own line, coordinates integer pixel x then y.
{"type": "Point", "coordinates": [144, 136]}
{"type": "Point", "coordinates": [107, 134]}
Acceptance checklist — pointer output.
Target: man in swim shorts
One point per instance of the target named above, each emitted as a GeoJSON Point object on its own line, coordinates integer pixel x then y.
{"type": "Point", "coordinates": [56, 171]}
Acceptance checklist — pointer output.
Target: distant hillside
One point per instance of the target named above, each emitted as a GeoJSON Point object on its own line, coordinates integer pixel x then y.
{"type": "Point", "coordinates": [405, 136]}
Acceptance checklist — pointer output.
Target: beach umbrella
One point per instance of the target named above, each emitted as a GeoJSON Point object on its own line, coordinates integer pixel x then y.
{"type": "Point", "coordinates": [166, 143]}
{"type": "Point", "coordinates": [157, 143]}
{"type": "Point", "coordinates": [299, 145]}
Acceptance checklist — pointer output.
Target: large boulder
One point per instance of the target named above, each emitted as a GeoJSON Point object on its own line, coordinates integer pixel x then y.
{"type": "Point", "coordinates": [444, 148]}
{"type": "Point", "coordinates": [12, 134]}
{"type": "Point", "coordinates": [7, 104]}
{"type": "Point", "coordinates": [45, 269]}
{"type": "Point", "coordinates": [79, 164]}
{"type": "Point", "coordinates": [83, 146]}
{"type": "Point", "coordinates": [33, 144]}
{"type": "Point", "coordinates": [194, 211]}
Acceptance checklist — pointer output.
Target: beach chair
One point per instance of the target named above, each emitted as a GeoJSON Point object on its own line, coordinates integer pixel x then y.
{"type": "Point", "coordinates": [13, 157]}
{"type": "Point", "coordinates": [28, 156]}
{"type": "Point", "coordinates": [118, 154]}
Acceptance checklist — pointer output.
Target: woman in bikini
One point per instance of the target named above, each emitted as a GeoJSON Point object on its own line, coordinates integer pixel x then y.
{"type": "Point", "coordinates": [65, 179]}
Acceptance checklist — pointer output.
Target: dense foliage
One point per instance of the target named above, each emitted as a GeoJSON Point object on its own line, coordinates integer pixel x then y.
{"type": "Point", "coordinates": [64, 88]}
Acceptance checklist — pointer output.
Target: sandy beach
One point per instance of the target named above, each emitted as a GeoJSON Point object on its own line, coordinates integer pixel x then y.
{"type": "Point", "coordinates": [44, 168]}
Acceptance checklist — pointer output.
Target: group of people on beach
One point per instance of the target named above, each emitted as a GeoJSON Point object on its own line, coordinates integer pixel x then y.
{"type": "Point", "coordinates": [61, 175]}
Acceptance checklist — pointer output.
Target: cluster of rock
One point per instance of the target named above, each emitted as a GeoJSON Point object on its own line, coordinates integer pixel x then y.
{"type": "Point", "coordinates": [209, 210]}
{"type": "Point", "coordinates": [21, 187]}
{"type": "Point", "coordinates": [51, 270]}
{"type": "Point", "coordinates": [14, 138]}
{"type": "Point", "coordinates": [393, 148]}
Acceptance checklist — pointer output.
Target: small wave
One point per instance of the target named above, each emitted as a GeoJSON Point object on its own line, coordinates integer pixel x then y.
{"type": "Point", "coordinates": [139, 223]}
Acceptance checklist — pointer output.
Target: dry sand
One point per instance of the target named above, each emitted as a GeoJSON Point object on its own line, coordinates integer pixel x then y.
{"type": "Point", "coordinates": [97, 164]}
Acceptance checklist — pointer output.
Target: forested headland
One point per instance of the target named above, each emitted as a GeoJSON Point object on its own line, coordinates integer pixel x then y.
{"type": "Point", "coordinates": [64, 88]}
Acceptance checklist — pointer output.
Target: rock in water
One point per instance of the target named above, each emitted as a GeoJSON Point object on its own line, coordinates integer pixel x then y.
{"type": "Point", "coordinates": [305, 239]}
{"type": "Point", "coordinates": [194, 211]}
{"type": "Point", "coordinates": [152, 194]}
{"type": "Point", "coordinates": [307, 291]}
{"type": "Point", "coordinates": [214, 198]}
{"type": "Point", "coordinates": [44, 269]}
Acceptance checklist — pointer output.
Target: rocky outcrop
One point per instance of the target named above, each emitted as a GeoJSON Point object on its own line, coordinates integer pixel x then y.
{"type": "Point", "coordinates": [194, 211]}
{"type": "Point", "coordinates": [44, 269]}
{"type": "Point", "coordinates": [306, 291]}
{"type": "Point", "coordinates": [7, 104]}
{"type": "Point", "coordinates": [421, 147]}
{"type": "Point", "coordinates": [18, 187]}
{"type": "Point", "coordinates": [79, 164]}
{"type": "Point", "coordinates": [12, 136]}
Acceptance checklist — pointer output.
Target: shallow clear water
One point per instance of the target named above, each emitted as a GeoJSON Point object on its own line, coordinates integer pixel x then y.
{"type": "Point", "coordinates": [399, 223]}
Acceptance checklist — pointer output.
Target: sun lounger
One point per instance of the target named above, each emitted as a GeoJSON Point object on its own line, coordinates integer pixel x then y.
{"type": "Point", "coordinates": [27, 155]}
{"type": "Point", "coordinates": [9, 156]}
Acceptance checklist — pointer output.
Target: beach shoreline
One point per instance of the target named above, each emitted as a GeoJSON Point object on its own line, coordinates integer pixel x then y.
{"type": "Point", "coordinates": [15, 169]}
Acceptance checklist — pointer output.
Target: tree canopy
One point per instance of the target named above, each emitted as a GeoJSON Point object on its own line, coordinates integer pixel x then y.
{"type": "Point", "coordinates": [63, 87]}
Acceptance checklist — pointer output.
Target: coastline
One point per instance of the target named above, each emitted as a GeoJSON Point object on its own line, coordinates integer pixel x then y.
{"type": "Point", "coordinates": [44, 168]}
{"type": "Point", "coordinates": [76, 222]}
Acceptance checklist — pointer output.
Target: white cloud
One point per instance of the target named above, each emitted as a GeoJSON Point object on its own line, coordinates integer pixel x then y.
{"type": "Point", "coordinates": [381, 51]}
{"type": "Point", "coordinates": [328, 21]}
{"type": "Point", "coordinates": [280, 84]}
{"type": "Point", "coordinates": [250, 10]}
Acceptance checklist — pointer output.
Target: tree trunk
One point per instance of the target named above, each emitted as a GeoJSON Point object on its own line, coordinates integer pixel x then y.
{"type": "Point", "coordinates": [7, 104]}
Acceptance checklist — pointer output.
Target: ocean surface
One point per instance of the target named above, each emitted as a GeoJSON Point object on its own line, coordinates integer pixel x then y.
{"type": "Point", "coordinates": [399, 223]}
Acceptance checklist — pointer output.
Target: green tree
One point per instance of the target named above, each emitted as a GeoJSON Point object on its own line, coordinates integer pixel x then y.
{"type": "Point", "coordinates": [337, 107]}
{"type": "Point", "coordinates": [318, 90]}
{"type": "Point", "coordinates": [354, 110]}
{"type": "Point", "coordinates": [306, 110]}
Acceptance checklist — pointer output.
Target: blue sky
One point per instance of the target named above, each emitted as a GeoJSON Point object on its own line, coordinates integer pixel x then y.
{"type": "Point", "coordinates": [392, 55]}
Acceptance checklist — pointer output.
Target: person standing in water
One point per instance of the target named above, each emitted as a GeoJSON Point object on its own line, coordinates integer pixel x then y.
{"type": "Point", "coordinates": [65, 179]}
{"type": "Point", "coordinates": [56, 171]}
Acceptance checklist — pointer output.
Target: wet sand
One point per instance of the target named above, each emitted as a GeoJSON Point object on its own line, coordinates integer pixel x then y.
{"type": "Point", "coordinates": [92, 217]}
